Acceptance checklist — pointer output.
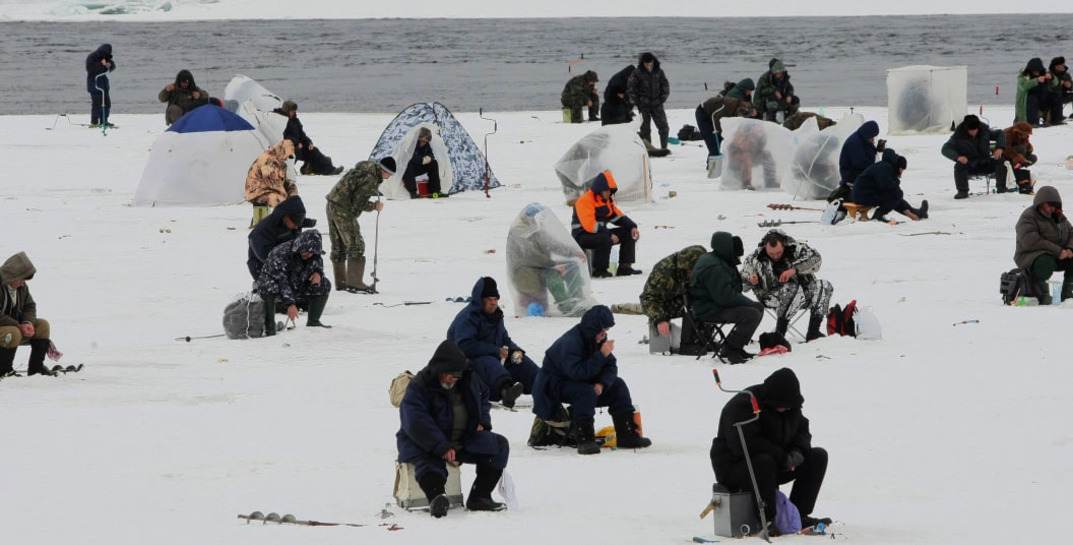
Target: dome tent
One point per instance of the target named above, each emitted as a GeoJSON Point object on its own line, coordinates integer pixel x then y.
{"type": "Point", "coordinates": [613, 147]}
{"type": "Point", "coordinates": [245, 89]}
{"type": "Point", "coordinates": [465, 167]}
{"type": "Point", "coordinates": [201, 160]}
{"type": "Point", "coordinates": [254, 103]}
{"type": "Point", "coordinates": [926, 98]}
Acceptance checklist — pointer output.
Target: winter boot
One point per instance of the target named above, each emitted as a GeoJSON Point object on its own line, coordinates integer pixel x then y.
{"type": "Point", "coordinates": [586, 436]}
{"type": "Point", "coordinates": [7, 361]}
{"type": "Point", "coordinates": [922, 212]}
{"type": "Point", "coordinates": [626, 269]}
{"type": "Point", "coordinates": [961, 195]}
{"type": "Point", "coordinates": [781, 325]}
{"type": "Point", "coordinates": [626, 435]}
{"type": "Point", "coordinates": [38, 349]}
{"type": "Point", "coordinates": [480, 495]}
{"type": "Point", "coordinates": [734, 355]}
{"type": "Point", "coordinates": [509, 393]}
{"type": "Point", "coordinates": [316, 308]}
{"type": "Point", "coordinates": [355, 272]}
{"type": "Point", "coordinates": [339, 275]}
{"type": "Point", "coordinates": [814, 323]}
{"type": "Point", "coordinates": [809, 522]}
{"type": "Point", "coordinates": [270, 316]}
{"type": "Point", "coordinates": [432, 485]}
{"type": "Point", "coordinates": [663, 142]}
{"type": "Point", "coordinates": [338, 170]}
{"type": "Point", "coordinates": [601, 274]}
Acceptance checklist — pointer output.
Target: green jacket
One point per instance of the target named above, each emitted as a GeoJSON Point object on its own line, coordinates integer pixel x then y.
{"type": "Point", "coordinates": [21, 309]}
{"type": "Point", "coordinates": [579, 90]}
{"type": "Point", "coordinates": [661, 299]}
{"type": "Point", "coordinates": [766, 87]}
{"type": "Point", "coordinates": [353, 193]}
{"type": "Point", "coordinates": [715, 284]}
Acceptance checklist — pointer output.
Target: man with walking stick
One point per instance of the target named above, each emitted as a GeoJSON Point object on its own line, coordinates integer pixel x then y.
{"type": "Point", "coordinates": [352, 195]}
{"type": "Point", "coordinates": [764, 441]}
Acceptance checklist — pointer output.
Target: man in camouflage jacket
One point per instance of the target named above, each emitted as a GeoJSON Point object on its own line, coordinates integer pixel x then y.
{"type": "Point", "coordinates": [782, 273]}
{"type": "Point", "coordinates": [293, 276]}
{"type": "Point", "coordinates": [579, 93]}
{"type": "Point", "coordinates": [661, 299]}
{"type": "Point", "coordinates": [352, 195]}
{"type": "Point", "coordinates": [774, 92]}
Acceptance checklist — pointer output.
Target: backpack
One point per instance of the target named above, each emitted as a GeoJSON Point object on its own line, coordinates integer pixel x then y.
{"type": "Point", "coordinates": [841, 320]}
{"type": "Point", "coordinates": [244, 318]}
{"type": "Point", "coordinates": [558, 432]}
{"type": "Point", "coordinates": [1013, 284]}
{"type": "Point", "coordinates": [688, 132]}
{"type": "Point", "coordinates": [787, 516]}
{"type": "Point", "coordinates": [397, 389]}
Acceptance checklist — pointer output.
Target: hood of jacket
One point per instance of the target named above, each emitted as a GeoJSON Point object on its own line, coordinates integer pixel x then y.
{"type": "Point", "coordinates": [1046, 193]}
{"type": "Point", "coordinates": [604, 181]}
{"type": "Point", "coordinates": [476, 298]}
{"type": "Point", "coordinates": [448, 358]}
{"type": "Point", "coordinates": [104, 51]}
{"type": "Point", "coordinates": [308, 241]}
{"type": "Point", "coordinates": [777, 66]}
{"type": "Point", "coordinates": [647, 57]}
{"type": "Point", "coordinates": [738, 91]}
{"type": "Point", "coordinates": [595, 319]}
{"type": "Point", "coordinates": [727, 247]}
{"type": "Point", "coordinates": [870, 129]}
{"type": "Point", "coordinates": [185, 75]}
{"type": "Point", "coordinates": [294, 208]}
{"type": "Point", "coordinates": [1055, 62]}
{"type": "Point", "coordinates": [782, 390]}
{"type": "Point", "coordinates": [1035, 64]}
{"type": "Point", "coordinates": [17, 267]}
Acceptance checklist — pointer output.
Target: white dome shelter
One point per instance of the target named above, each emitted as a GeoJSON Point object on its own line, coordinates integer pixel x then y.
{"type": "Point", "coordinates": [926, 98]}
{"type": "Point", "coordinates": [616, 148]}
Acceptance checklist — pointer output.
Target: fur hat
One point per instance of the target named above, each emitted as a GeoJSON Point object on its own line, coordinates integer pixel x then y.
{"type": "Point", "coordinates": [289, 106]}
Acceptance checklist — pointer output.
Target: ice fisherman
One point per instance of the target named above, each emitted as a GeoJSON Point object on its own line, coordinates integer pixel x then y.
{"type": "Point", "coordinates": [970, 150]}
{"type": "Point", "coordinates": [268, 181]}
{"type": "Point", "coordinates": [19, 323]}
{"type": "Point", "coordinates": [313, 160]}
{"type": "Point", "coordinates": [781, 272]}
{"type": "Point", "coordinates": [423, 167]}
{"type": "Point", "coordinates": [1045, 244]}
{"type": "Point", "coordinates": [599, 224]}
{"type": "Point", "coordinates": [445, 418]}
{"type": "Point", "coordinates": [716, 296]}
{"type": "Point", "coordinates": [736, 102]}
{"type": "Point", "coordinates": [503, 366]}
{"type": "Point", "coordinates": [351, 196]}
{"type": "Point", "coordinates": [579, 94]}
{"type": "Point", "coordinates": [880, 186]}
{"type": "Point", "coordinates": [283, 225]}
{"type": "Point", "coordinates": [662, 298]}
{"type": "Point", "coordinates": [543, 259]}
{"type": "Point", "coordinates": [774, 92]}
{"type": "Point", "coordinates": [580, 370]}
{"type": "Point", "coordinates": [1020, 154]}
{"type": "Point", "coordinates": [292, 278]}
{"type": "Point", "coordinates": [617, 107]}
{"type": "Point", "coordinates": [859, 152]}
{"type": "Point", "coordinates": [649, 89]}
{"type": "Point", "coordinates": [181, 96]}
{"type": "Point", "coordinates": [98, 65]}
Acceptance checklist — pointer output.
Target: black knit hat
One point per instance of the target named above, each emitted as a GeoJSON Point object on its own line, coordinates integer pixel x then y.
{"type": "Point", "coordinates": [489, 289]}
{"type": "Point", "coordinates": [388, 163]}
{"type": "Point", "coordinates": [971, 122]}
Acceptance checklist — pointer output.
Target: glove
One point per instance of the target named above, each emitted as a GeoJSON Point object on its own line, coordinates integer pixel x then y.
{"type": "Point", "coordinates": [794, 458]}
{"type": "Point", "coordinates": [426, 160]}
{"type": "Point", "coordinates": [517, 356]}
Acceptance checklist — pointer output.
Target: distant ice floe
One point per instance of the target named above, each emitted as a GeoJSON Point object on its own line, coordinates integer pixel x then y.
{"type": "Point", "coordinates": [73, 8]}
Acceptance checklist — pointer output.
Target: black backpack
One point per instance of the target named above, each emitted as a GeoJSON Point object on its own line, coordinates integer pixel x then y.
{"type": "Point", "coordinates": [1015, 283]}
{"type": "Point", "coordinates": [688, 132]}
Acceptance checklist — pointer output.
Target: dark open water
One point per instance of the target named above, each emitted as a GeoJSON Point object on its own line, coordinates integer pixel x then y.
{"type": "Point", "coordinates": [513, 64]}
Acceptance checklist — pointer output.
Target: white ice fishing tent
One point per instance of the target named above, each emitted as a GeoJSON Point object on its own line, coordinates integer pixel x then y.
{"type": "Point", "coordinates": [757, 154]}
{"type": "Point", "coordinates": [245, 89]}
{"type": "Point", "coordinates": [926, 98]}
{"type": "Point", "coordinates": [547, 270]}
{"type": "Point", "coordinates": [616, 148]}
{"type": "Point", "coordinates": [201, 160]}
{"type": "Point", "coordinates": [814, 173]}
{"type": "Point", "coordinates": [254, 103]}
{"type": "Point", "coordinates": [462, 164]}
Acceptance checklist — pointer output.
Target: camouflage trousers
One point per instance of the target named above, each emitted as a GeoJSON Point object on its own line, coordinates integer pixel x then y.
{"type": "Point", "coordinates": [345, 235]}
{"type": "Point", "coordinates": [793, 297]}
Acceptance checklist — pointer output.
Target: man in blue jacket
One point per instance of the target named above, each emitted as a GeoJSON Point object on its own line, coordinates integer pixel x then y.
{"type": "Point", "coordinates": [880, 186]}
{"type": "Point", "coordinates": [581, 371]}
{"type": "Point", "coordinates": [479, 331]}
{"type": "Point", "coordinates": [858, 153]}
{"type": "Point", "coordinates": [99, 63]}
{"type": "Point", "coordinates": [445, 420]}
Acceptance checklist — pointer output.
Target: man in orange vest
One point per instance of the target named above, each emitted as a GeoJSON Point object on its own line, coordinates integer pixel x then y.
{"type": "Point", "coordinates": [599, 224]}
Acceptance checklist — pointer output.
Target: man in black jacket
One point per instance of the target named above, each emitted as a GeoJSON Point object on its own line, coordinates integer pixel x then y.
{"type": "Point", "coordinates": [98, 64]}
{"type": "Point", "coordinates": [779, 442]}
{"type": "Point", "coordinates": [282, 225]}
{"type": "Point", "coordinates": [617, 107]}
{"type": "Point", "coordinates": [648, 89]}
{"type": "Point", "coordinates": [970, 150]}
{"type": "Point", "coordinates": [314, 162]}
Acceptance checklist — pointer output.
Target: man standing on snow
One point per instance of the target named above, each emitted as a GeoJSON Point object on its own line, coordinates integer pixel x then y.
{"type": "Point", "coordinates": [445, 419]}
{"type": "Point", "coordinates": [648, 90]}
{"type": "Point", "coordinates": [1045, 243]}
{"type": "Point", "coordinates": [716, 295]}
{"type": "Point", "coordinates": [479, 331]}
{"type": "Point", "coordinates": [19, 323]}
{"type": "Point", "coordinates": [780, 446]}
{"type": "Point", "coordinates": [352, 195]}
{"type": "Point", "coordinates": [580, 370]}
{"type": "Point", "coordinates": [99, 63]}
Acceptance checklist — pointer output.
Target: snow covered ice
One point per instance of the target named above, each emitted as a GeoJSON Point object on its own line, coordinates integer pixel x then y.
{"type": "Point", "coordinates": [937, 434]}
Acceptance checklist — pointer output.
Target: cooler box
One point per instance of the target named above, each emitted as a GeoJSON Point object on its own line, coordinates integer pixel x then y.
{"type": "Point", "coordinates": [734, 513]}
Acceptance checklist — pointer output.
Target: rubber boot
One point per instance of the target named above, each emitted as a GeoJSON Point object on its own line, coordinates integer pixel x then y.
{"type": "Point", "coordinates": [480, 495]}
{"type": "Point", "coordinates": [814, 323]}
{"type": "Point", "coordinates": [922, 212]}
{"type": "Point", "coordinates": [339, 271]}
{"type": "Point", "coordinates": [1067, 287]}
{"type": "Point", "coordinates": [355, 272]}
{"type": "Point", "coordinates": [38, 349]}
{"type": "Point", "coordinates": [1043, 291]}
{"type": "Point", "coordinates": [626, 435]}
{"type": "Point", "coordinates": [509, 392]}
{"type": "Point", "coordinates": [663, 142]}
{"type": "Point", "coordinates": [432, 485]}
{"type": "Point", "coordinates": [316, 308]}
{"type": "Point", "coordinates": [782, 325]}
{"type": "Point", "coordinates": [7, 361]}
{"type": "Point", "coordinates": [586, 436]}
{"type": "Point", "coordinates": [269, 316]}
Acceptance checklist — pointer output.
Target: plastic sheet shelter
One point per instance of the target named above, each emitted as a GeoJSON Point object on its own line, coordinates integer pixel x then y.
{"type": "Point", "coordinates": [616, 148]}
{"type": "Point", "coordinates": [926, 98]}
{"type": "Point", "coordinates": [547, 270]}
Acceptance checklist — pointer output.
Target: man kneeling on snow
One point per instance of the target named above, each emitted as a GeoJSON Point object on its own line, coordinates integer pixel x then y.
{"type": "Point", "coordinates": [779, 443]}
{"type": "Point", "coordinates": [581, 371]}
{"type": "Point", "coordinates": [782, 273]}
{"type": "Point", "coordinates": [293, 276]}
{"type": "Point", "coordinates": [1045, 243]}
{"type": "Point", "coordinates": [18, 317]}
{"type": "Point", "coordinates": [446, 420]}
{"type": "Point", "coordinates": [479, 331]}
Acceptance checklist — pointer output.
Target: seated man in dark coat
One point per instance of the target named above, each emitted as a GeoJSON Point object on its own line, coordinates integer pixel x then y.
{"type": "Point", "coordinates": [970, 150]}
{"type": "Point", "coordinates": [858, 153]}
{"type": "Point", "coordinates": [282, 225]}
{"type": "Point", "coordinates": [1045, 244]}
{"type": "Point", "coordinates": [580, 370]}
{"type": "Point", "coordinates": [293, 276]}
{"type": "Point", "coordinates": [880, 185]}
{"type": "Point", "coordinates": [314, 162]}
{"type": "Point", "coordinates": [445, 420]}
{"type": "Point", "coordinates": [780, 446]}
{"type": "Point", "coordinates": [617, 107]}
{"type": "Point", "coordinates": [423, 166]}
{"type": "Point", "coordinates": [19, 323]}
{"type": "Point", "coordinates": [715, 294]}
{"type": "Point", "coordinates": [182, 96]}
{"type": "Point", "coordinates": [478, 330]}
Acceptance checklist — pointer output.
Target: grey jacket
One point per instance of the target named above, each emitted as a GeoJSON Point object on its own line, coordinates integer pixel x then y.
{"type": "Point", "coordinates": [22, 308]}
{"type": "Point", "coordinates": [1040, 235]}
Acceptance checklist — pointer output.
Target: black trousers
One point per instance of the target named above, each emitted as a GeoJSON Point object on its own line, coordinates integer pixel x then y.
{"type": "Point", "coordinates": [807, 478]}
{"type": "Point", "coordinates": [707, 131]}
{"type": "Point", "coordinates": [99, 100]}
{"type": "Point", "coordinates": [1041, 102]}
{"type": "Point", "coordinates": [433, 171]}
{"type": "Point", "coordinates": [979, 167]}
{"type": "Point", "coordinates": [657, 115]}
{"type": "Point", "coordinates": [314, 160]}
{"type": "Point", "coordinates": [600, 244]}
{"type": "Point", "coordinates": [745, 318]}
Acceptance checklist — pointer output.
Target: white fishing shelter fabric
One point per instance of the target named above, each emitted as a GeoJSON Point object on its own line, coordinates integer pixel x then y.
{"type": "Point", "coordinates": [392, 188]}
{"type": "Point", "coordinates": [758, 154]}
{"type": "Point", "coordinates": [616, 148]}
{"type": "Point", "coordinates": [547, 270]}
{"type": "Point", "coordinates": [245, 89]}
{"type": "Point", "coordinates": [814, 173]}
{"type": "Point", "coordinates": [926, 98]}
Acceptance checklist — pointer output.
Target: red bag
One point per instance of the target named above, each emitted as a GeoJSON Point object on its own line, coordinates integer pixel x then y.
{"type": "Point", "coordinates": [840, 320]}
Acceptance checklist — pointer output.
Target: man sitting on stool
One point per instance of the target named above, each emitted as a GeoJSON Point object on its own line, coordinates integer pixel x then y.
{"type": "Point", "coordinates": [782, 274]}
{"type": "Point", "coordinates": [716, 292]}
{"type": "Point", "coordinates": [599, 224]}
{"type": "Point", "coordinates": [18, 318]}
